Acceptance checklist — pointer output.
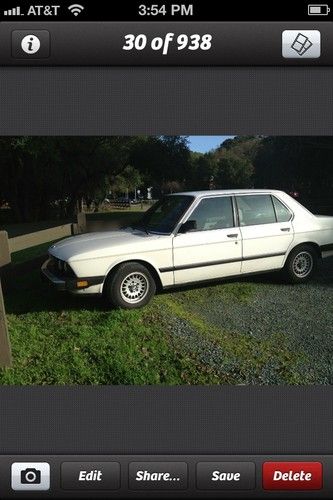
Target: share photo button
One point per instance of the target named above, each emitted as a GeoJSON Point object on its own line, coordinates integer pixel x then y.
{"type": "Point", "coordinates": [158, 476]}
{"type": "Point", "coordinates": [292, 476]}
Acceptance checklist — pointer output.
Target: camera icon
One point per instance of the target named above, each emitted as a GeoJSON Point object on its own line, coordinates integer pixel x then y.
{"type": "Point", "coordinates": [28, 476]}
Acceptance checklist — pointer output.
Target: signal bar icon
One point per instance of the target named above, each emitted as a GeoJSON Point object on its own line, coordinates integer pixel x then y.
{"type": "Point", "coordinates": [13, 12]}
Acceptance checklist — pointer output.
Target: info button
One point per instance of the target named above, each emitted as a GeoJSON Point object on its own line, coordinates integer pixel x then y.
{"type": "Point", "coordinates": [90, 475]}
{"type": "Point", "coordinates": [292, 476]}
{"type": "Point", "coordinates": [30, 44]}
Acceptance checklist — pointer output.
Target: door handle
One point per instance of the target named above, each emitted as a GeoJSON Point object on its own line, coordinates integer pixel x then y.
{"type": "Point", "coordinates": [233, 235]}
{"type": "Point", "coordinates": [285, 229]}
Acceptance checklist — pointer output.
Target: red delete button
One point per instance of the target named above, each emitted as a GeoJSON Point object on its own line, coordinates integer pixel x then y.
{"type": "Point", "coordinates": [292, 476]}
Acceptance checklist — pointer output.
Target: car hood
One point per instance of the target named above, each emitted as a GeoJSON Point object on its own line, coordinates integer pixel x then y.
{"type": "Point", "coordinates": [104, 244]}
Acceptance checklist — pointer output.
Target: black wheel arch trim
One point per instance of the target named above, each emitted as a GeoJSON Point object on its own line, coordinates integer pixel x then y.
{"type": "Point", "coordinates": [150, 267]}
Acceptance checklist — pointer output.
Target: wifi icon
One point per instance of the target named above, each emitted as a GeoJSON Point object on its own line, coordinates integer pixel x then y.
{"type": "Point", "coordinates": [76, 9]}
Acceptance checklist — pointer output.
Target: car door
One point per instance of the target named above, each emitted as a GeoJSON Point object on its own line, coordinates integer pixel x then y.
{"type": "Point", "coordinates": [266, 229]}
{"type": "Point", "coordinates": [213, 249]}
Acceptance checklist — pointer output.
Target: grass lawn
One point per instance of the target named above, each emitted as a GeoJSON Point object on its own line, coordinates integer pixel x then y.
{"type": "Point", "coordinates": [237, 332]}
{"type": "Point", "coordinates": [121, 216]}
{"type": "Point", "coordinates": [61, 339]}
{"type": "Point", "coordinates": [110, 211]}
{"type": "Point", "coordinates": [31, 253]}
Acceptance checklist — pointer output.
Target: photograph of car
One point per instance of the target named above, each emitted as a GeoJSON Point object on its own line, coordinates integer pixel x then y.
{"type": "Point", "coordinates": [166, 260]}
{"type": "Point", "coordinates": [192, 237]}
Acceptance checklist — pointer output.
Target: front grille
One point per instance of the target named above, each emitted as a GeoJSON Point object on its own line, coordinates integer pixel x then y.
{"type": "Point", "coordinates": [60, 268]}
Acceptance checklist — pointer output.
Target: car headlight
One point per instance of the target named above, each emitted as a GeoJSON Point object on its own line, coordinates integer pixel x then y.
{"type": "Point", "coordinates": [63, 268]}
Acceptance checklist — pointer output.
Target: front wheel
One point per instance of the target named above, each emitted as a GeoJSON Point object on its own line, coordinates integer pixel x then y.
{"type": "Point", "coordinates": [131, 286]}
{"type": "Point", "coordinates": [301, 264]}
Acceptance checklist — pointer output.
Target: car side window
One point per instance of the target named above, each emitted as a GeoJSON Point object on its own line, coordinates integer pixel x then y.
{"type": "Point", "coordinates": [255, 209]}
{"type": "Point", "coordinates": [282, 212]}
{"type": "Point", "coordinates": [213, 213]}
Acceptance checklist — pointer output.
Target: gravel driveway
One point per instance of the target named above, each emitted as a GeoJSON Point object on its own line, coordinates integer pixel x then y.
{"type": "Point", "coordinates": [260, 330]}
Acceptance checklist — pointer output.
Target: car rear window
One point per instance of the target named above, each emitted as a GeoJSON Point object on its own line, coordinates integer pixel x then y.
{"type": "Point", "coordinates": [255, 209]}
{"type": "Point", "coordinates": [282, 212]}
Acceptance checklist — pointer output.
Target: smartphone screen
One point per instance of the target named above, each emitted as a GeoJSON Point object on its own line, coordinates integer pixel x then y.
{"type": "Point", "coordinates": [166, 250]}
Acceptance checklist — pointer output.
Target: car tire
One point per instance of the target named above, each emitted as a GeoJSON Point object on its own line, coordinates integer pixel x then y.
{"type": "Point", "coordinates": [130, 286]}
{"type": "Point", "coordinates": [301, 264]}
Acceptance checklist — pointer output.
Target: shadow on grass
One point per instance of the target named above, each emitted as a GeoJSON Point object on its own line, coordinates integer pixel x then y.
{"type": "Point", "coordinates": [30, 294]}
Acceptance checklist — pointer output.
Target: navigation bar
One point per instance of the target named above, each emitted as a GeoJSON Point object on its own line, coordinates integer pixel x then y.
{"type": "Point", "coordinates": [165, 44]}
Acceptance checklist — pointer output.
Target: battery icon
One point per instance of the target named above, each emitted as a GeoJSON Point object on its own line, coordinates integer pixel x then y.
{"type": "Point", "coordinates": [318, 10]}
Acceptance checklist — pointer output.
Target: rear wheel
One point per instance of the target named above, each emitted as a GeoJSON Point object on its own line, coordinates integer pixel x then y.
{"type": "Point", "coordinates": [301, 264]}
{"type": "Point", "coordinates": [131, 286]}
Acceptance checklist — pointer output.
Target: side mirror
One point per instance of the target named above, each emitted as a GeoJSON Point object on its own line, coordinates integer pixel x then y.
{"type": "Point", "coordinates": [189, 225]}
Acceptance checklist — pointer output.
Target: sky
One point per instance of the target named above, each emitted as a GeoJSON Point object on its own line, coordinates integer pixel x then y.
{"type": "Point", "coordinates": [204, 143]}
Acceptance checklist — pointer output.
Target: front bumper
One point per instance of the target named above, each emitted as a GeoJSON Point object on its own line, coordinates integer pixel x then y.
{"type": "Point", "coordinates": [63, 283]}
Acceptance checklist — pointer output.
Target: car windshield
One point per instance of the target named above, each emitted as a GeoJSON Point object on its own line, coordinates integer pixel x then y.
{"type": "Point", "coordinates": [164, 215]}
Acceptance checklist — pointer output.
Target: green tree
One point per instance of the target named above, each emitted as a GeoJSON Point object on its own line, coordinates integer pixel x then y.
{"type": "Point", "coordinates": [234, 171]}
{"type": "Point", "coordinates": [40, 174]}
{"type": "Point", "coordinates": [204, 169]}
{"type": "Point", "coordinates": [162, 159]}
{"type": "Point", "coordinates": [127, 181]}
{"type": "Point", "coordinates": [231, 165]}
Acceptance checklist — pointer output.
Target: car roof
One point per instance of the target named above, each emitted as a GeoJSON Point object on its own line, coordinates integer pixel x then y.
{"type": "Point", "coordinates": [213, 192]}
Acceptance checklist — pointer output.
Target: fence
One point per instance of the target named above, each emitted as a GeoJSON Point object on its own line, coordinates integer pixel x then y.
{"type": "Point", "coordinates": [11, 245]}
{"type": "Point", "coordinates": [5, 349]}
{"type": "Point", "coordinates": [120, 204]}
{"type": "Point", "coordinates": [24, 241]}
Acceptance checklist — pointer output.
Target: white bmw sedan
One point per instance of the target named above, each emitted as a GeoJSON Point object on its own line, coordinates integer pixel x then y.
{"type": "Point", "coordinates": [193, 237]}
